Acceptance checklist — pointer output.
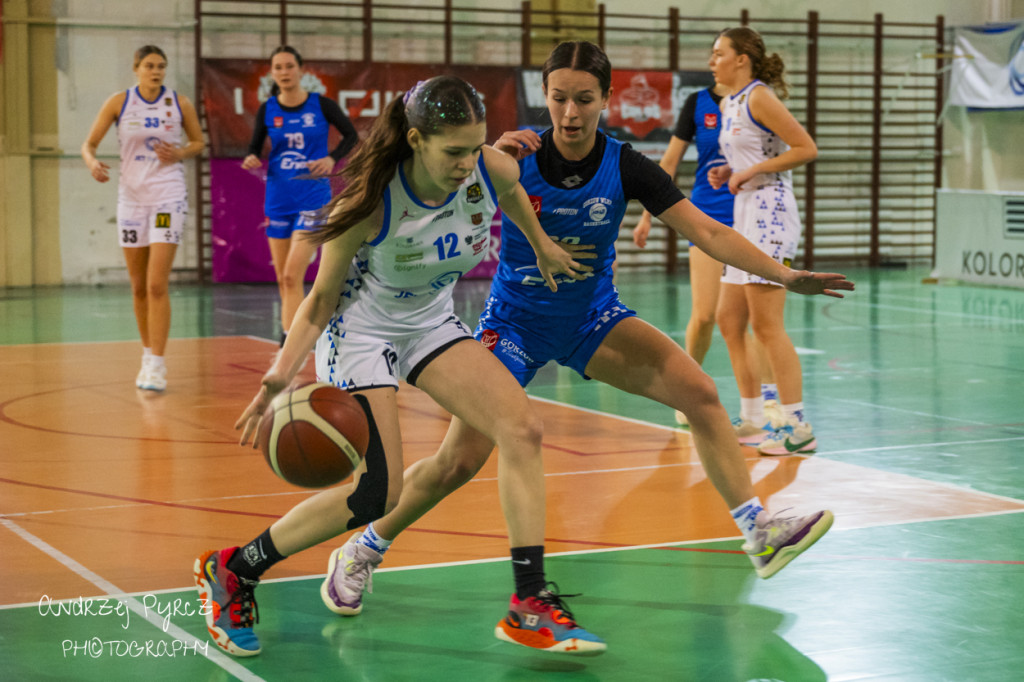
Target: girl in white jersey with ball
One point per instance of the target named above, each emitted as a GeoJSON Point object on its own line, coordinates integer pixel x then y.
{"type": "Point", "coordinates": [762, 143]}
{"type": "Point", "coordinates": [414, 217]}
{"type": "Point", "coordinates": [151, 197]}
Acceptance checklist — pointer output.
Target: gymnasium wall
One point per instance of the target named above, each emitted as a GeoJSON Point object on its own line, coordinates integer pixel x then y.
{"type": "Point", "coordinates": [60, 59]}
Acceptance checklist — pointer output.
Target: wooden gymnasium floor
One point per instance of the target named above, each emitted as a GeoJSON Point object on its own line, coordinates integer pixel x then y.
{"type": "Point", "coordinates": [915, 391]}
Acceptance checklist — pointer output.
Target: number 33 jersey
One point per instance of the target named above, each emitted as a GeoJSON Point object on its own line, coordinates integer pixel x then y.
{"type": "Point", "coordinates": [402, 281]}
{"type": "Point", "coordinates": [144, 179]}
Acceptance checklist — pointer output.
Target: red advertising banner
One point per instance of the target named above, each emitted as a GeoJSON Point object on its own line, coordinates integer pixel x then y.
{"type": "Point", "coordinates": [232, 90]}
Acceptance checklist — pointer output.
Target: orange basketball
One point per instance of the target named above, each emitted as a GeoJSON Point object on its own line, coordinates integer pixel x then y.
{"type": "Point", "coordinates": [314, 435]}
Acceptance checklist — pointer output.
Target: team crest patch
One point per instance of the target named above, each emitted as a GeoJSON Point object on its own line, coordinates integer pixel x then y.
{"type": "Point", "coordinates": [489, 338]}
{"type": "Point", "coordinates": [478, 218]}
{"type": "Point", "coordinates": [167, 101]}
{"type": "Point", "coordinates": [710, 121]}
{"type": "Point", "coordinates": [474, 193]}
{"type": "Point", "coordinates": [278, 121]}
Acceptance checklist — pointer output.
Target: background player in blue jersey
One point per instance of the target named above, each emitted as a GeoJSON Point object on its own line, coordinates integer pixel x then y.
{"type": "Point", "coordinates": [700, 121]}
{"type": "Point", "coordinates": [381, 310]}
{"type": "Point", "coordinates": [298, 123]}
{"type": "Point", "coordinates": [579, 182]}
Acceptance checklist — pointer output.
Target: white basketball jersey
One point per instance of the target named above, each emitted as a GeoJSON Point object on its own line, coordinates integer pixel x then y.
{"type": "Point", "coordinates": [402, 281]}
{"type": "Point", "coordinates": [745, 142]}
{"type": "Point", "coordinates": [144, 180]}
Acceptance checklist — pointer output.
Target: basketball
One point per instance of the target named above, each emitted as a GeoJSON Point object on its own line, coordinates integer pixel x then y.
{"type": "Point", "coordinates": [314, 435]}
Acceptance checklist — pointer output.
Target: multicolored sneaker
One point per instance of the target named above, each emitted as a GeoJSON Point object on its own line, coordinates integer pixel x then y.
{"type": "Point", "coordinates": [774, 414]}
{"type": "Point", "coordinates": [781, 539]}
{"type": "Point", "coordinates": [349, 570]}
{"type": "Point", "coordinates": [227, 602]}
{"type": "Point", "coordinates": [544, 622]}
{"type": "Point", "coordinates": [749, 433]}
{"type": "Point", "coordinates": [790, 439]}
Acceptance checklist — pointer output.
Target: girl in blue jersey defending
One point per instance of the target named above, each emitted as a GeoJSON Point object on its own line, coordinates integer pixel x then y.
{"type": "Point", "coordinates": [579, 182]}
{"type": "Point", "coordinates": [298, 123]}
{"type": "Point", "coordinates": [414, 217]}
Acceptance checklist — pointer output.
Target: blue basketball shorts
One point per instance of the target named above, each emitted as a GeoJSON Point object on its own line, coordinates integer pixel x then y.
{"type": "Point", "coordinates": [282, 226]}
{"type": "Point", "coordinates": [525, 341]}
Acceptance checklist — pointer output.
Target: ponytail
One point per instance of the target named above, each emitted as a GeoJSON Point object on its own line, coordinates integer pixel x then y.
{"type": "Point", "coordinates": [769, 69]}
{"type": "Point", "coordinates": [368, 172]}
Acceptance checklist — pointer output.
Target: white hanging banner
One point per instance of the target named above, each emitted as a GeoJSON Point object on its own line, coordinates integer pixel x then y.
{"type": "Point", "coordinates": [988, 66]}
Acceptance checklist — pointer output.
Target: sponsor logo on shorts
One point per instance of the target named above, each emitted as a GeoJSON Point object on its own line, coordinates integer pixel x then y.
{"type": "Point", "coordinates": [511, 348]}
{"type": "Point", "coordinates": [162, 220]}
{"type": "Point", "coordinates": [489, 338]}
{"type": "Point", "coordinates": [474, 193]}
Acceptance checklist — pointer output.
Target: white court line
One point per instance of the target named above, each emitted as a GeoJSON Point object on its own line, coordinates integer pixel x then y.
{"type": "Point", "coordinates": [213, 654]}
{"type": "Point", "coordinates": [906, 411]}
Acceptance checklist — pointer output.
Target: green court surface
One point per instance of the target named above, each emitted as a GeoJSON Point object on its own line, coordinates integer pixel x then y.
{"type": "Point", "coordinates": [919, 384]}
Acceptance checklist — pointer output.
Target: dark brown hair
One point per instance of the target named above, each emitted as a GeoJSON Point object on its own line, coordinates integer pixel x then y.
{"type": "Point", "coordinates": [429, 107]}
{"type": "Point", "coordinates": [144, 52]}
{"type": "Point", "coordinates": [769, 69]}
{"type": "Point", "coordinates": [580, 55]}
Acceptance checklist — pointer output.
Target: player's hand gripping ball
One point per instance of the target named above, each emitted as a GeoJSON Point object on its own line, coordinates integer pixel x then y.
{"type": "Point", "coordinates": [314, 435]}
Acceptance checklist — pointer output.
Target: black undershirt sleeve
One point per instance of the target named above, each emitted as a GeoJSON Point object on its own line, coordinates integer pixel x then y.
{"type": "Point", "coordinates": [686, 129]}
{"type": "Point", "coordinates": [645, 181]}
{"type": "Point", "coordinates": [259, 132]}
{"type": "Point", "coordinates": [337, 118]}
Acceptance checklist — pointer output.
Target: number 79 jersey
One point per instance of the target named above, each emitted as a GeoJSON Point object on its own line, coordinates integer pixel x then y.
{"type": "Point", "coordinates": [402, 281]}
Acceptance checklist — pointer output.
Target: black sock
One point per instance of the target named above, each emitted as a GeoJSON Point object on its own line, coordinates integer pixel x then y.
{"type": "Point", "coordinates": [253, 559]}
{"type": "Point", "coordinates": [528, 568]}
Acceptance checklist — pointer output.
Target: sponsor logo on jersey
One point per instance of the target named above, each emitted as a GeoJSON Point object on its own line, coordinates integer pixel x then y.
{"type": "Point", "coordinates": [168, 114]}
{"type": "Point", "coordinates": [406, 214]}
{"type": "Point", "coordinates": [479, 246]}
{"type": "Point", "coordinates": [167, 103]}
{"type": "Point", "coordinates": [535, 202]}
{"type": "Point", "coordinates": [474, 193]}
{"type": "Point", "coordinates": [710, 121]}
{"type": "Point", "coordinates": [572, 181]}
{"type": "Point", "coordinates": [448, 278]}
{"type": "Point", "coordinates": [400, 267]}
{"type": "Point", "coordinates": [742, 97]}
{"type": "Point", "coordinates": [308, 120]}
{"type": "Point", "coordinates": [293, 161]}
{"type": "Point", "coordinates": [566, 211]}
{"type": "Point", "coordinates": [478, 218]}
{"type": "Point", "coordinates": [278, 121]}
{"type": "Point", "coordinates": [489, 338]}
{"type": "Point", "coordinates": [408, 257]}
{"type": "Point", "coordinates": [447, 213]}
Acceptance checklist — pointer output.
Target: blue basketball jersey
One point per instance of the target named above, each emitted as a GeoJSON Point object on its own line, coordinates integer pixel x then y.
{"type": "Point", "coordinates": [707, 118]}
{"type": "Point", "coordinates": [297, 136]}
{"type": "Point", "coordinates": [588, 214]}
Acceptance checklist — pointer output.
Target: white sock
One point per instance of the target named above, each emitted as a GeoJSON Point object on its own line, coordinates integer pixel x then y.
{"type": "Point", "coordinates": [371, 539]}
{"type": "Point", "coordinates": [752, 410]}
{"type": "Point", "coordinates": [745, 517]}
{"type": "Point", "coordinates": [146, 352]}
{"type": "Point", "coordinates": [156, 360]}
{"type": "Point", "coordinates": [769, 392]}
{"type": "Point", "coordinates": [794, 411]}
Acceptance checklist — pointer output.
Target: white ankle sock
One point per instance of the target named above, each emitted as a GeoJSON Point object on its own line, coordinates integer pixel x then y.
{"type": "Point", "coordinates": [752, 410]}
{"type": "Point", "coordinates": [745, 517]}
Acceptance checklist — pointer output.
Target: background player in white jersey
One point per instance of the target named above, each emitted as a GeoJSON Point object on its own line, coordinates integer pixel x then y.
{"type": "Point", "coordinates": [762, 142]}
{"type": "Point", "coordinates": [298, 124]}
{"type": "Point", "coordinates": [414, 217]}
{"type": "Point", "coordinates": [151, 197]}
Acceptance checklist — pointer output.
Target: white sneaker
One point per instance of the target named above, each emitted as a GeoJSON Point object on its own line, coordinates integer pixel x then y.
{"type": "Point", "coordinates": [749, 433]}
{"type": "Point", "coordinates": [349, 572]}
{"type": "Point", "coordinates": [140, 378]}
{"type": "Point", "coordinates": [154, 378]}
{"type": "Point", "coordinates": [793, 438]}
{"type": "Point", "coordinates": [773, 412]}
{"type": "Point", "coordinates": [781, 539]}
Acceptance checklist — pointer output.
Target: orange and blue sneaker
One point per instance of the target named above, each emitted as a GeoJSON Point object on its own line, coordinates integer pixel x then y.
{"type": "Point", "coordinates": [227, 602]}
{"type": "Point", "coordinates": [544, 622]}
{"type": "Point", "coordinates": [779, 540]}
